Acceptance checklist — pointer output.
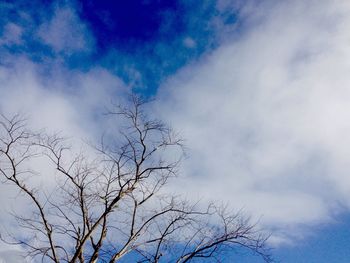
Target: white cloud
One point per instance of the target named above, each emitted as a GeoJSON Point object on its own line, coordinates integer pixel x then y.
{"type": "Point", "coordinates": [62, 101]}
{"type": "Point", "coordinates": [266, 116]}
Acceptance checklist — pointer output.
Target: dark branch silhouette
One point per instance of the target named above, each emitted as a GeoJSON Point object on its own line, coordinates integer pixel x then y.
{"type": "Point", "coordinates": [112, 207]}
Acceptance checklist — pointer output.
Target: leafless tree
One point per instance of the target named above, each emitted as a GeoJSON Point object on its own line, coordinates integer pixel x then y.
{"type": "Point", "coordinates": [112, 207]}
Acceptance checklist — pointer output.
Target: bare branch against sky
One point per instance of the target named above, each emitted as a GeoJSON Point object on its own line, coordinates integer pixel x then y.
{"type": "Point", "coordinates": [111, 206]}
{"type": "Point", "coordinates": [258, 90]}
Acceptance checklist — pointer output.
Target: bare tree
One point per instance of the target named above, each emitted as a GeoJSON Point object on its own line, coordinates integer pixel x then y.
{"type": "Point", "coordinates": [113, 207]}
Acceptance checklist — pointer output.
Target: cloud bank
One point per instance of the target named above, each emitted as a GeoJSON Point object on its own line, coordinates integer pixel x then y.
{"type": "Point", "coordinates": [266, 115]}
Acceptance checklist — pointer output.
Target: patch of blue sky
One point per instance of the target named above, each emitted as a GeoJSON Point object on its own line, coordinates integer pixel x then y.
{"type": "Point", "coordinates": [323, 243]}
{"type": "Point", "coordinates": [23, 34]}
{"type": "Point", "coordinates": [143, 42]}
{"type": "Point", "coordinates": [18, 23]}
{"type": "Point", "coordinates": [146, 41]}
{"type": "Point", "coordinates": [327, 243]}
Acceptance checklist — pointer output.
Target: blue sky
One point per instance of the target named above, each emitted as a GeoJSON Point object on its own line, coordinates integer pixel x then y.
{"type": "Point", "coordinates": [259, 89]}
{"type": "Point", "coordinates": [143, 42]}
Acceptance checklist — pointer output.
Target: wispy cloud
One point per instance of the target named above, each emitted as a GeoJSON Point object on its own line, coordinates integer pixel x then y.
{"type": "Point", "coordinates": [64, 32]}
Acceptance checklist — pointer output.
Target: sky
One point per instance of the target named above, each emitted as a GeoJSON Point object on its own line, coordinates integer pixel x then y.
{"type": "Point", "coordinates": [258, 89]}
